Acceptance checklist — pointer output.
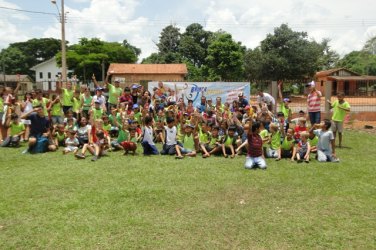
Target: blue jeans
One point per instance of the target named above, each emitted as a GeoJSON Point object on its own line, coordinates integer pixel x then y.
{"type": "Point", "coordinates": [314, 117]}
{"type": "Point", "coordinates": [252, 162]}
{"type": "Point", "coordinates": [149, 149]}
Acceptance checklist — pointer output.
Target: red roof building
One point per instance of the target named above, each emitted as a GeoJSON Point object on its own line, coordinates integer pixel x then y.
{"type": "Point", "coordinates": [144, 73]}
{"type": "Point", "coordinates": [346, 81]}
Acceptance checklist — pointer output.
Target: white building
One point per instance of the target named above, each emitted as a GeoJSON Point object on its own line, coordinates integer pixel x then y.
{"type": "Point", "coordinates": [46, 74]}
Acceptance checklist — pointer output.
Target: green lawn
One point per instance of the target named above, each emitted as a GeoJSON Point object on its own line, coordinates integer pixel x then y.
{"type": "Point", "coordinates": [51, 201]}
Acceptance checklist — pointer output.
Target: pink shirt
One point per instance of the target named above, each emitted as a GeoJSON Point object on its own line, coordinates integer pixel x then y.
{"type": "Point", "coordinates": [314, 102]}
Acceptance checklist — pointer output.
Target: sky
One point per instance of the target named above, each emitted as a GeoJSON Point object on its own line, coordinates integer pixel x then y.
{"type": "Point", "coordinates": [347, 23]}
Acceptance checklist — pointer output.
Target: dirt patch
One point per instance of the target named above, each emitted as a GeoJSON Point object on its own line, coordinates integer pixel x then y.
{"type": "Point", "coordinates": [361, 126]}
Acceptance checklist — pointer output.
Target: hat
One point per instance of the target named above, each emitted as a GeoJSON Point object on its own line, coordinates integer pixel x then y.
{"type": "Point", "coordinates": [186, 114]}
{"type": "Point", "coordinates": [190, 126]}
{"type": "Point", "coordinates": [247, 107]}
{"type": "Point", "coordinates": [117, 81]}
{"type": "Point", "coordinates": [241, 94]}
{"type": "Point", "coordinates": [311, 84]}
{"type": "Point", "coordinates": [99, 89]}
{"type": "Point", "coordinates": [286, 100]}
{"type": "Point", "coordinates": [135, 106]}
{"type": "Point", "coordinates": [97, 102]}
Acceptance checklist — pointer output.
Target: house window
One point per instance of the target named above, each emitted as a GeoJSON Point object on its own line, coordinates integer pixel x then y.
{"type": "Point", "coordinates": [40, 75]}
{"type": "Point", "coordinates": [49, 75]}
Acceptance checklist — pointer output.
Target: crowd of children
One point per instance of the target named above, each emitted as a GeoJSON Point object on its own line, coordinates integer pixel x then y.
{"type": "Point", "coordinates": [81, 123]}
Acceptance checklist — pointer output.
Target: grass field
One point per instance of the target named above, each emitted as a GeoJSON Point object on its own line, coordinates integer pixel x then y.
{"type": "Point", "coordinates": [51, 201]}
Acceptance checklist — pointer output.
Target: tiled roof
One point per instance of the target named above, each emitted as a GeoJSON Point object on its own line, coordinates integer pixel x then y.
{"type": "Point", "coordinates": [123, 68]}
{"type": "Point", "coordinates": [331, 71]}
{"type": "Point", "coordinates": [14, 78]}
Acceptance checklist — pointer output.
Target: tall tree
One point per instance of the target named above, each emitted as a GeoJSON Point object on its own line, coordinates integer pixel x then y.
{"type": "Point", "coordinates": [194, 44]}
{"type": "Point", "coordinates": [329, 58]}
{"type": "Point", "coordinates": [288, 54]}
{"type": "Point", "coordinates": [32, 52]}
{"type": "Point", "coordinates": [225, 58]}
{"type": "Point", "coordinates": [86, 57]}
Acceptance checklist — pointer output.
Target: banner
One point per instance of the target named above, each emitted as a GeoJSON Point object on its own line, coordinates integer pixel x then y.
{"type": "Point", "coordinates": [228, 91]}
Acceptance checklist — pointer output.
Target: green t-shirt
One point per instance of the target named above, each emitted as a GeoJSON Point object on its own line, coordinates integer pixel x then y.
{"type": "Point", "coordinates": [43, 103]}
{"type": "Point", "coordinates": [76, 105]}
{"type": "Point", "coordinates": [123, 135]}
{"type": "Point", "coordinates": [213, 141]}
{"type": "Point", "coordinates": [286, 144]}
{"type": "Point", "coordinates": [97, 113]}
{"type": "Point", "coordinates": [203, 137]}
{"type": "Point", "coordinates": [117, 117]}
{"type": "Point", "coordinates": [60, 137]}
{"type": "Point", "coordinates": [15, 129]}
{"type": "Point", "coordinates": [107, 127]}
{"type": "Point", "coordinates": [338, 113]}
{"type": "Point", "coordinates": [188, 142]}
{"type": "Point", "coordinates": [86, 102]}
{"type": "Point", "coordinates": [137, 117]}
{"type": "Point", "coordinates": [113, 94]}
{"type": "Point", "coordinates": [313, 142]}
{"type": "Point", "coordinates": [56, 109]}
{"type": "Point", "coordinates": [276, 140]}
{"type": "Point", "coordinates": [285, 110]}
{"type": "Point", "coordinates": [1, 105]}
{"type": "Point", "coordinates": [264, 134]}
{"type": "Point", "coordinates": [67, 96]}
{"type": "Point", "coordinates": [229, 140]}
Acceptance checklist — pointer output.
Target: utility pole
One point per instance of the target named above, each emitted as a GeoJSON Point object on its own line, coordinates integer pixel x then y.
{"type": "Point", "coordinates": [63, 45]}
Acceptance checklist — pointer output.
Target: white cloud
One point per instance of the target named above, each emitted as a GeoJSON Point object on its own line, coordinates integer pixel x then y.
{"type": "Point", "coordinates": [111, 20]}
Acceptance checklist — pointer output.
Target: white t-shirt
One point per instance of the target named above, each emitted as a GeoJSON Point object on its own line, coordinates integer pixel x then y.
{"type": "Point", "coordinates": [268, 99]}
{"type": "Point", "coordinates": [171, 134]}
{"type": "Point", "coordinates": [148, 135]}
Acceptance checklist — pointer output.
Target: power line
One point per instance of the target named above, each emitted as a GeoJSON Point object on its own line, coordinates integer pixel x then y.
{"type": "Point", "coordinates": [28, 11]}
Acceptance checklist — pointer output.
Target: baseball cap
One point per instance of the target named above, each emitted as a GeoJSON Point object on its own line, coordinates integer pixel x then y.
{"type": "Point", "coordinates": [241, 94]}
{"type": "Point", "coordinates": [190, 126]}
{"type": "Point", "coordinates": [99, 89]}
{"type": "Point", "coordinates": [286, 100]}
{"type": "Point", "coordinates": [97, 102]}
{"type": "Point", "coordinates": [135, 106]}
{"type": "Point", "coordinates": [311, 84]}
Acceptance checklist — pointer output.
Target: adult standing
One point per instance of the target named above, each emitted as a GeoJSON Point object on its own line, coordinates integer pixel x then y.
{"type": "Point", "coordinates": [243, 102]}
{"type": "Point", "coordinates": [314, 103]}
{"type": "Point", "coordinates": [265, 98]}
{"type": "Point", "coordinates": [66, 95]}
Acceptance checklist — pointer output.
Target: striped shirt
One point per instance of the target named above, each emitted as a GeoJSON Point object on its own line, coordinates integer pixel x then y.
{"type": "Point", "coordinates": [314, 102]}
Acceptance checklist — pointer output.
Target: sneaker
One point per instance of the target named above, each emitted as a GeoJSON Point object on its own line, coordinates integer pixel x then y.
{"type": "Point", "coordinates": [79, 156]}
{"type": "Point", "coordinates": [179, 157]}
{"type": "Point", "coordinates": [26, 151]}
{"type": "Point", "coordinates": [300, 161]}
{"type": "Point", "coordinates": [306, 161]}
{"type": "Point", "coordinates": [335, 160]}
{"type": "Point", "coordinates": [94, 158]}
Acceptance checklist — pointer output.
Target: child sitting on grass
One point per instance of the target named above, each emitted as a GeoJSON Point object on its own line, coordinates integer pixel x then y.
{"type": "Point", "coordinates": [274, 151]}
{"type": "Point", "coordinates": [59, 135]}
{"type": "Point", "coordinates": [255, 157]}
{"type": "Point", "coordinates": [147, 143]}
{"type": "Point", "coordinates": [302, 149]}
{"type": "Point", "coordinates": [131, 143]}
{"type": "Point", "coordinates": [326, 144]}
{"type": "Point", "coordinates": [71, 143]}
{"type": "Point", "coordinates": [188, 143]}
{"type": "Point", "coordinates": [300, 128]}
{"type": "Point", "coordinates": [229, 142]}
{"type": "Point", "coordinates": [288, 144]}
{"type": "Point", "coordinates": [15, 130]}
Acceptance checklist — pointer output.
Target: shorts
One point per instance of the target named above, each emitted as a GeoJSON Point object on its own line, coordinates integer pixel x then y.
{"type": "Point", "coordinates": [271, 153]}
{"type": "Point", "coordinates": [70, 148]}
{"type": "Point", "coordinates": [337, 126]}
{"type": "Point", "coordinates": [168, 149]}
{"type": "Point", "coordinates": [302, 153]}
{"type": "Point", "coordinates": [286, 153]}
{"type": "Point", "coordinates": [57, 120]}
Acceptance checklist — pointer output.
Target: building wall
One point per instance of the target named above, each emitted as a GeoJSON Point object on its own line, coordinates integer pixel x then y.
{"type": "Point", "coordinates": [46, 69]}
{"type": "Point", "coordinates": [128, 79]}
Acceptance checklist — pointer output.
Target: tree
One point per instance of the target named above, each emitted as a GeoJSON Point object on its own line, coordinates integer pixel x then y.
{"type": "Point", "coordinates": [14, 61]}
{"type": "Point", "coordinates": [360, 62]}
{"type": "Point", "coordinates": [225, 58]}
{"type": "Point", "coordinates": [330, 58]}
{"type": "Point", "coordinates": [86, 57]}
{"type": "Point", "coordinates": [253, 61]}
{"type": "Point", "coordinates": [30, 53]}
{"type": "Point", "coordinates": [286, 54]}
{"type": "Point", "coordinates": [194, 44]}
{"type": "Point", "coordinates": [168, 47]}
{"type": "Point", "coordinates": [370, 46]}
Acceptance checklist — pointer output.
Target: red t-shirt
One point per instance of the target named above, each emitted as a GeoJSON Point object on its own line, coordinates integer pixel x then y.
{"type": "Point", "coordinates": [254, 145]}
{"type": "Point", "coordinates": [299, 130]}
